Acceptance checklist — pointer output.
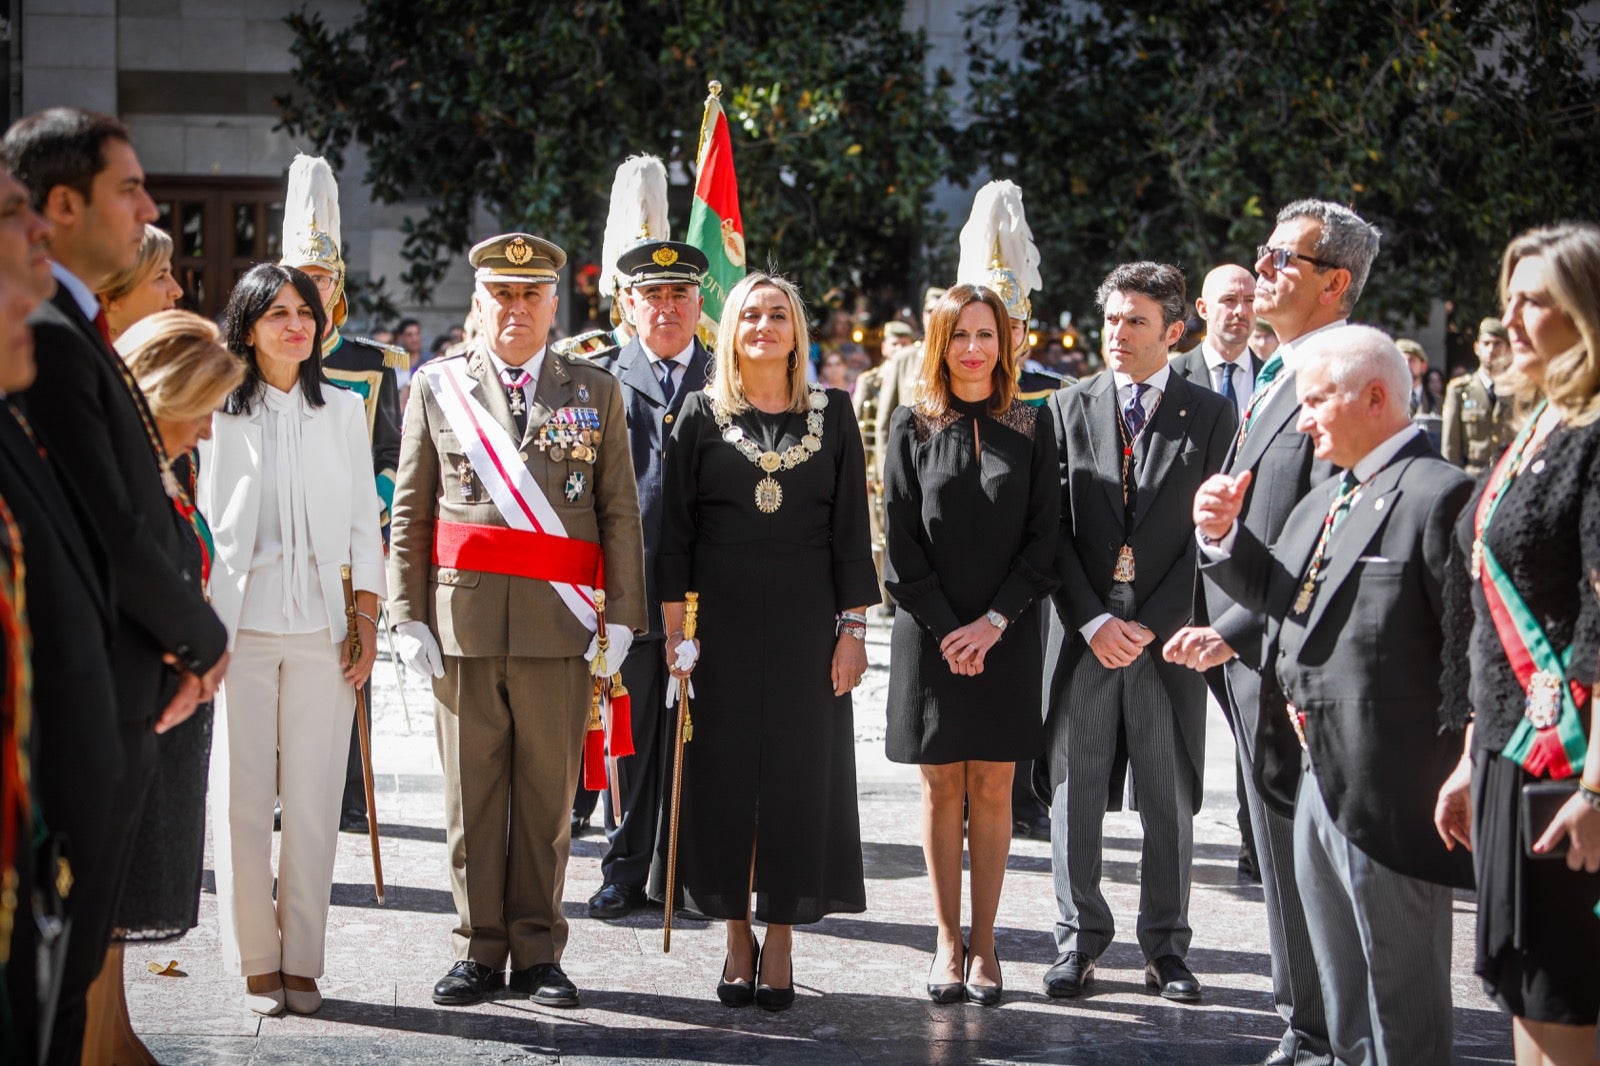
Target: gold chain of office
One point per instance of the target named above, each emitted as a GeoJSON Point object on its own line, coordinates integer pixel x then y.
{"type": "Point", "coordinates": [769, 494]}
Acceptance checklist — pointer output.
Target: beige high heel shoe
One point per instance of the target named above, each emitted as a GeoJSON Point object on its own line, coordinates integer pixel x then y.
{"type": "Point", "coordinates": [267, 1002]}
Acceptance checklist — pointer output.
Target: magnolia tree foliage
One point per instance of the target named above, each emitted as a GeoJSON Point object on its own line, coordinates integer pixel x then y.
{"type": "Point", "coordinates": [1174, 129]}
{"type": "Point", "coordinates": [525, 111]}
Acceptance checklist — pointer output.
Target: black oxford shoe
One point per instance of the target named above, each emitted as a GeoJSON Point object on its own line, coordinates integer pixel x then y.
{"type": "Point", "coordinates": [1278, 1057]}
{"type": "Point", "coordinates": [615, 901]}
{"type": "Point", "coordinates": [1070, 976]}
{"type": "Point", "coordinates": [546, 984]}
{"type": "Point", "coordinates": [466, 983]}
{"type": "Point", "coordinates": [1171, 977]}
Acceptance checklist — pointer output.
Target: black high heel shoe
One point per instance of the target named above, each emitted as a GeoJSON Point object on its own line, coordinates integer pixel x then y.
{"type": "Point", "coordinates": [953, 992]}
{"type": "Point", "coordinates": [982, 995]}
{"type": "Point", "coordinates": [740, 993]}
{"type": "Point", "coordinates": [771, 998]}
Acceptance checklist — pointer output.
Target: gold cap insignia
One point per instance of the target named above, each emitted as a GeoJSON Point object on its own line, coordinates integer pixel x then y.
{"type": "Point", "coordinates": [665, 257]}
{"type": "Point", "coordinates": [518, 252]}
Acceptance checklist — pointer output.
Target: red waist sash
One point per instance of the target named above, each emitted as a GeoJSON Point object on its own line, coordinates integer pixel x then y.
{"type": "Point", "coordinates": [518, 553]}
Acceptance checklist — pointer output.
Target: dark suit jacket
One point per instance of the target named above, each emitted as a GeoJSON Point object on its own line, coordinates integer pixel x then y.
{"type": "Point", "coordinates": [1365, 663]}
{"type": "Point", "coordinates": [93, 428]}
{"type": "Point", "coordinates": [650, 420]}
{"type": "Point", "coordinates": [77, 756]}
{"type": "Point", "coordinates": [1285, 467]}
{"type": "Point", "coordinates": [1184, 443]}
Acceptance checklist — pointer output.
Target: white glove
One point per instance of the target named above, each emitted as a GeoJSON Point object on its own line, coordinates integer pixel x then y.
{"type": "Point", "coordinates": [620, 639]}
{"type": "Point", "coordinates": [414, 643]}
{"type": "Point", "coordinates": [684, 656]}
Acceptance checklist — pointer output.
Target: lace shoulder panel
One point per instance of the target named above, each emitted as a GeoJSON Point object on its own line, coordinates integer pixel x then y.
{"type": "Point", "coordinates": [926, 426]}
{"type": "Point", "coordinates": [1021, 417]}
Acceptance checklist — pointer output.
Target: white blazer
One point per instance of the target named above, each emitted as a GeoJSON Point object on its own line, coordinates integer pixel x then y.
{"type": "Point", "coordinates": [341, 502]}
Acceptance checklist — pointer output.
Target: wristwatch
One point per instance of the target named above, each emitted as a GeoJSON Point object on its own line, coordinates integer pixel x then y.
{"type": "Point", "coordinates": [998, 620]}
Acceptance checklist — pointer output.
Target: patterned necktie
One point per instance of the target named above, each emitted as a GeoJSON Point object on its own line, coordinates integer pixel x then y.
{"type": "Point", "coordinates": [516, 380]}
{"type": "Point", "coordinates": [1227, 390]}
{"type": "Point", "coordinates": [1133, 413]}
{"type": "Point", "coordinates": [668, 372]}
{"type": "Point", "coordinates": [103, 324]}
{"type": "Point", "coordinates": [1340, 507]}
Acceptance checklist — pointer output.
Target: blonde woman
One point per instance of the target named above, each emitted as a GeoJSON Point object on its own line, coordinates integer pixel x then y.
{"type": "Point", "coordinates": [144, 288]}
{"type": "Point", "coordinates": [1530, 551]}
{"type": "Point", "coordinates": [765, 516]}
{"type": "Point", "coordinates": [287, 479]}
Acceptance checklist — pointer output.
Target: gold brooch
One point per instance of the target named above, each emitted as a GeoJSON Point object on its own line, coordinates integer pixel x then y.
{"type": "Point", "coordinates": [665, 257]}
{"type": "Point", "coordinates": [518, 252]}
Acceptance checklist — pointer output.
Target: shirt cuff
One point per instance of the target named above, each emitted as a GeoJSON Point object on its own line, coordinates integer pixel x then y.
{"type": "Point", "coordinates": [1221, 549]}
{"type": "Point", "coordinates": [1092, 626]}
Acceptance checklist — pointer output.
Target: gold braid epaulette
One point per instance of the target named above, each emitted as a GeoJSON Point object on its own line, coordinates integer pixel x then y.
{"type": "Point", "coordinates": [585, 344]}
{"type": "Point", "coordinates": [394, 356]}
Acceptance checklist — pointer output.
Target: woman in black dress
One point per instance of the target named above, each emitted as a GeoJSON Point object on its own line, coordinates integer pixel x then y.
{"type": "Point", "coordinates": [972, 506]}
{"type": "Point", "coordinates": [766, 518]}
{"type": "Point", "coordinates": [1530, 548]}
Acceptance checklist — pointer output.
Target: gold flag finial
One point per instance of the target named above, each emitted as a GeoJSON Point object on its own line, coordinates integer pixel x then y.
{"type": "Point", "coordinates": [715, 88]}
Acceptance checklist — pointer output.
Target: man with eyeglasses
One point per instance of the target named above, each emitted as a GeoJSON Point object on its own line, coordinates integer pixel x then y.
{"type": "Point", "coordinates": [1309, 275]}
{"type": "Point", "coordinates": [661, 366]}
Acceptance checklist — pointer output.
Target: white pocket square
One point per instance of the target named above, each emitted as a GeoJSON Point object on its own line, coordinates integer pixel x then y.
{"type": "Point", "coordinates": [1372, 559]}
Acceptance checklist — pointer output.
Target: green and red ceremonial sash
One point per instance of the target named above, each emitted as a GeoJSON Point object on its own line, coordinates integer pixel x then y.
{"type": "Point", "coordinates": [715, 226]}
{"type": "Point", "coordinates": [1550, 743]}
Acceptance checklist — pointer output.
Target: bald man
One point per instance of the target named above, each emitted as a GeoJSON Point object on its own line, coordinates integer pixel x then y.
{"type": "Point", "coordinates": [1223, 362]}
{"type": "Point", "coordinates": [1353, 585]}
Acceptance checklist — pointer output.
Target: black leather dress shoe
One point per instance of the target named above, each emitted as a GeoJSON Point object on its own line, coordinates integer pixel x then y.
{"type": "Point", "coordinates": [1171, 977]}
{"type": "Point", "coordinates": [982, 995]}
{"type": "Point", "coordinates": [467, 983]}
{"type": "Point", "coordinates": [1070, 976]}
{"type": "Point", "coordinates": [546, 984]}
{"type": "Point", "coordinates": [615, 901]}
{"type": "Point", "coordinates": [1249, 868]}
{"type": "Point", "coordinates": [950, 992]}
{"type": "Point", "coordinates": [1278, 1057]}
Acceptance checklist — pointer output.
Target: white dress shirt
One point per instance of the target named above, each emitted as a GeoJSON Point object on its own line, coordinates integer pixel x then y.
{"type": "Point", "coordinates": [532, 366]}
{"type": "Point", "coordinates": [283, 594]}
{"type": "Point", "coordinates": [679, 361]}
{"type": "Point", "coordinates": [1290, 350]}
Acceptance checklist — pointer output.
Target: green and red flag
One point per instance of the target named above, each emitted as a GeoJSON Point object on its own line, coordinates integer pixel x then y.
{"type": "Point", "coordinates": [715, 226]}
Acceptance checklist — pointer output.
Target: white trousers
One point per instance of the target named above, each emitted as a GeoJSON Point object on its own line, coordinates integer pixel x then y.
{"type": "Point", "coordinates": [281, 731]}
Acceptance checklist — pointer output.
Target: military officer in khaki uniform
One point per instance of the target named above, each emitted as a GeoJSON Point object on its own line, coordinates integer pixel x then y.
{"type": "Point", "coordinates": [515, 492]}
{"type": "Point", "coordinates": [1477, 419]}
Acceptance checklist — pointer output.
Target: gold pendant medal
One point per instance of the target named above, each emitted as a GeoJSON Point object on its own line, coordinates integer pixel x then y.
{"type": "Point", "coordinates": [769, 494]}
{"type": "Point", "coordinates": [1302, 602]}
{"type": "Point", "coordinates": [1543, 708]}
{"type": "Point", "coordinates": [1125, 569]}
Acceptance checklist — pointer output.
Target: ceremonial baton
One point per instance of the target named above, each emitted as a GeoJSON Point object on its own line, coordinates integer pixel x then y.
{"type": "Point", "coordinates": [682, 734]}
{"type": "Point", "coordinates": [602, 687]}
{"type": "Point", "coordinates": [362, 731]}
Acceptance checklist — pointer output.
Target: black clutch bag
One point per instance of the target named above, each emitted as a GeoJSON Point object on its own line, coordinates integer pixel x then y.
{"type": "Point", "coordinates": [1541, 802]}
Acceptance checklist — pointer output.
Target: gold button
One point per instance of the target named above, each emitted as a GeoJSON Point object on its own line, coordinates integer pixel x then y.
{"type": "Point", "coordinates": [524, 456]}
{"type": "Point", "coordinates": [668, 420]}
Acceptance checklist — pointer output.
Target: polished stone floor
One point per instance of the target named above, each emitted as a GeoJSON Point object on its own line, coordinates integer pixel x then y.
{"type": "Point", "coordinates": [859, 977]}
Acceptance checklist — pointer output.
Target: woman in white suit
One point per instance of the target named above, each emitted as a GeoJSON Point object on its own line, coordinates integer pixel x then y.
{"type": "Point", "coordinates": [287, 481]}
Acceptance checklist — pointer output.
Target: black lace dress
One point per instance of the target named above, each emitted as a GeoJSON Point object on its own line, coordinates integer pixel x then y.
{"type": "Point", "coordinates": [972, 506]}
{"type": "Point", "coordinates": [1538, 936]}
{"type": "Point", "coordinates": [772, 761]}
{"type": "Point", "coordinates": [161, 895]}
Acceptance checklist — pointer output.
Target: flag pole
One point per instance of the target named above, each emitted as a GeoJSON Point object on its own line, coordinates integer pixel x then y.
{"type": "Point", "coordinates": [714, 99]}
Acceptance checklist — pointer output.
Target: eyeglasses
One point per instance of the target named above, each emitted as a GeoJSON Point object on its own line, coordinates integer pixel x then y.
{"type": "Point", "coordinates": [1280, 258]}
{"type": "Point", "coordinates": [323, 282]}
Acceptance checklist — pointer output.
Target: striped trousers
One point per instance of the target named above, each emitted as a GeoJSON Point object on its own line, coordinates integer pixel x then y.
{"type": "Point", "coordinates": [1382, 944]}
{"type": "Point", "coordinates": [1095, 705]}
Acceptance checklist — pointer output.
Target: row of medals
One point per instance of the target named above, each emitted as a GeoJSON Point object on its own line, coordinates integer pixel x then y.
{"type": "Point", "coordinates": [571, 431]}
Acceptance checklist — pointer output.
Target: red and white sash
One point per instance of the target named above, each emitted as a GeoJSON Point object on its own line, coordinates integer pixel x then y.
{"type": "Point", "coordinates": [499, 467]}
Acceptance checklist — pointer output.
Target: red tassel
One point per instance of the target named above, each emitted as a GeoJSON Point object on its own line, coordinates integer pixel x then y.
{"type": "Point", "coordinates": [1546, 755]}
{"type": "Point", "coordinates": [594, 760]}
{"type": "Point", "coordinates": [621, 722]}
